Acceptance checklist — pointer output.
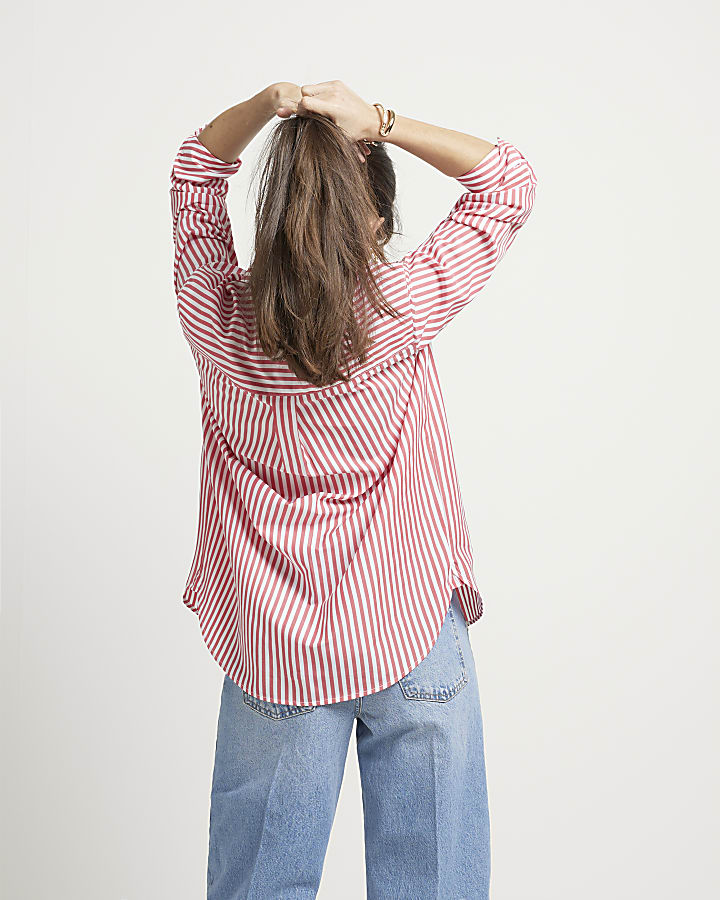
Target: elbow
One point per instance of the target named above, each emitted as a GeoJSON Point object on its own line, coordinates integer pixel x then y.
{"type": "Point", "coordinates": [529, 199]}
{"type": "Point", "coordinates": [522, 181]}
{"type": "Point", "coordinates": [530, 185]}
{"type": "Point", "coordinates": [526, 200]}
{"type": "Point", "coordinates": [520, 205]}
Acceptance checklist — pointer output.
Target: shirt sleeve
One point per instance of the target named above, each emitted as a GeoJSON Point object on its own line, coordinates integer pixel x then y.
{"type": "Point", "coordinates": [456, 260]}
{"type": "Point", "coordinates": [204, 251]}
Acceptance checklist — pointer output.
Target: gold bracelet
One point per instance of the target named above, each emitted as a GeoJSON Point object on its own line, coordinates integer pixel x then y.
{"type": "Point", "coordinates": [387, 120]}
{"type": "Point", "coordinates": [381, 109]}
{"type": "Point", "coordinates": [390, 122]}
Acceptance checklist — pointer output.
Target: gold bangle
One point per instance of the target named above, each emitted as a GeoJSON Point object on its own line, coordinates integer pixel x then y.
{"type": "Point", "coordinates": [381, 109]}
{"type": "Point", "coordinates": [391, 121]}
{"type": "Point", "coordinates": [387, 119]}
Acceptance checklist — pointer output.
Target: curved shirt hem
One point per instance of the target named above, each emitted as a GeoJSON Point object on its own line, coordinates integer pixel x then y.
{"type": "Point", "coordinates": [463, 587]}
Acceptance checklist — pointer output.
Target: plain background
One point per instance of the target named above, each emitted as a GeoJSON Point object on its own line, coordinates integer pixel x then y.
{"type": "Point", "coordinates": [581, 388]}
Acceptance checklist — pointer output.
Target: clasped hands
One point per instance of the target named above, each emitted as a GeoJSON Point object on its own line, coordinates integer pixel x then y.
{"type": "Point", "coordinates": [334, 99]}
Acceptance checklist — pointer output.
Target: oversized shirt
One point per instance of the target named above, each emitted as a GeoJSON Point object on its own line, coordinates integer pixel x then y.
{"type": "Point", "coordinates": [331, 531]}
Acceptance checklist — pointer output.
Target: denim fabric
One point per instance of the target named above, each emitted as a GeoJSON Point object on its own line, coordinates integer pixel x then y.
{"type": "Point", "coordinates": [278, 771]}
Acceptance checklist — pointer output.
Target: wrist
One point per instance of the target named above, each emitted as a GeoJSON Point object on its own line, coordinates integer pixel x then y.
{"type": "Point", "coordinates": [282, 93]}
{"type": "Point", "coordinates": [371, 128]}
{"type": "Point", "coordinates": [376, 121]}
{"type": "Point", "coordinates": [395, 133]}
{"type": "Point", "coordinates": [269, 99]}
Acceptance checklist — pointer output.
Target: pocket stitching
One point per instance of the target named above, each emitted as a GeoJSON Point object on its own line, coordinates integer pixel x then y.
{"type": "Point", "coordinates": [275, 711]}
{"type": "Point", "coordinates": [439, 696]}
{"type": "Point", "coordinates": [444, 694]}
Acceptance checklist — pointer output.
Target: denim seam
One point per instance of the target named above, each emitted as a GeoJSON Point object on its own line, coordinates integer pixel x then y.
{"type": "Point", "coordinates": [457, 639]}
{"type": "Point", "coordinates": [211, 850]}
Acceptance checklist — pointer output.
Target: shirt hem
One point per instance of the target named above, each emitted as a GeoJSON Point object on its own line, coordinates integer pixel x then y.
{"type": "Point", "coordinates": [471, 605]}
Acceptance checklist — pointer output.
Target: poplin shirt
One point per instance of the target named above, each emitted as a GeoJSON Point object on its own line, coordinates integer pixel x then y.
{"type": "Point", "coordinates": [331, 531]}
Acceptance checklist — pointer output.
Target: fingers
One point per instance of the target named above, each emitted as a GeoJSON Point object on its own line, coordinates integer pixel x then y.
{"type": "Point", "coordinates": [308, 102]}
{"type": "Point", "coordinates": [313, 104]}
{"type": "Point", "coordinates": [312, 90]}
{"type": "Point", "coordinates": [286, 103]}
{"type": "Point", "coordinates": [363, 151]}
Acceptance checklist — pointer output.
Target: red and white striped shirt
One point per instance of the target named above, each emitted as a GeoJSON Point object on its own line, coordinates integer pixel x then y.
{"type": "Point", "coordinates": [331, 529]}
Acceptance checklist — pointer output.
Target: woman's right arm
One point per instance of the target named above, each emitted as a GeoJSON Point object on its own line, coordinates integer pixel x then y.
{"type": "Point", "coordinates": [455, 262]}
{"type": "Point", "coordinates": [452, 152]}
{"type": "Point", "coordinates": [458, 257]}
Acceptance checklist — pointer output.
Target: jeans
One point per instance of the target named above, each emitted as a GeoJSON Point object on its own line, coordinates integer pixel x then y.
{"type": "Point", "coordinates": [278, 771]}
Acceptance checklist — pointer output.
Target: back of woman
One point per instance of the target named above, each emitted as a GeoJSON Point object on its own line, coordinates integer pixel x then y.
{"type": "Point", "coordinates": [332, 542]}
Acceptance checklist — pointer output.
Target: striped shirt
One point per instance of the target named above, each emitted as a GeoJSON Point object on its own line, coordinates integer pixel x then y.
{"type": "Point", "coordinates": [331, 531]}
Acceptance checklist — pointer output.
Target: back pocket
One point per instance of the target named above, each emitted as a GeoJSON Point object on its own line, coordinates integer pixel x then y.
{"type": "Point", "coordinates": [443, 672]}
{"type": "Point", "coordinates": [274, 710]}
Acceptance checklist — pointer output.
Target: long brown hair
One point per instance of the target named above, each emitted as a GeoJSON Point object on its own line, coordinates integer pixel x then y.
{"type": "Point", "coordinates": [315, 244]}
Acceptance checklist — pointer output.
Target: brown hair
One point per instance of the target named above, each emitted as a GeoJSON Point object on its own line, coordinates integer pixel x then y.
{"type": "Point", "coordinates": [315, 244]}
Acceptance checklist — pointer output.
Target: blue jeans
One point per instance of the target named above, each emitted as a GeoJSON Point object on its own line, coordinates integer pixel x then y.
{"type": "Point", "coordinates": [278, 771]}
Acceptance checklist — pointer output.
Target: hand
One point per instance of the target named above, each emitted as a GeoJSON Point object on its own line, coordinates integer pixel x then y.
{"type": "Point", "coordinates": [284, 98]}
{"type": "Point", "coordinates": [334, 99]}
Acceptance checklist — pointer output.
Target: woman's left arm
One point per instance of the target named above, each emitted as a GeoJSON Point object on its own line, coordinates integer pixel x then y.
{"type": "Point", "coordinates": [204, 251]}
{"type": "Point", "coordinates": [229, 134]}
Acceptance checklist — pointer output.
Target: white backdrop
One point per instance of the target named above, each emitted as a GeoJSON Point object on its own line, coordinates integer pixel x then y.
{"type": "Point", "coordinates": [581, 388]}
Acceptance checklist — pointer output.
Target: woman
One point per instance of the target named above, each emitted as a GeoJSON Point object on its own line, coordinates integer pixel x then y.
{"type": "Point", "coordinates": [333, 573]}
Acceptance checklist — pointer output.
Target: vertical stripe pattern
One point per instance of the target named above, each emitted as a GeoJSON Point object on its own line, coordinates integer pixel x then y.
{"type": "Point", "coordinates": [331, 531]}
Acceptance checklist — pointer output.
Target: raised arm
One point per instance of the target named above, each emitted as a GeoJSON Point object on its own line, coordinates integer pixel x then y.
{"type": "Point", "coordinates": [456, 260]}
{"type": "Point", "coordinates": [452, 152]}
{"type": "Point", "coordinates": [202, 234]}
{"type": "Point", "coordinates": [204, 251]}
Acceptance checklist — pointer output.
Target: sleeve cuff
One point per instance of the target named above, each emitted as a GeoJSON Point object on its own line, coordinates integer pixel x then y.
{"type": "Point", "coordinates": [490, 171]}
{"type": "Point", "coordinates": [194, 162]}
